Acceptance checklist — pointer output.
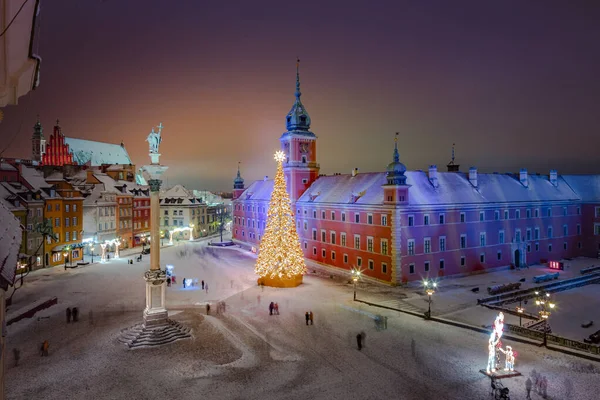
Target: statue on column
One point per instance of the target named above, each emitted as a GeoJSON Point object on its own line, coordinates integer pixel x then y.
{"type": "Point", "coordinates": [154, 139]}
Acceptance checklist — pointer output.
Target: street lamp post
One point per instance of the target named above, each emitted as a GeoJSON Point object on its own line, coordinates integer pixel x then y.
{"type": "Point", "coordinates": [430, 287]}
{"type": "Point", "coordinates": [543, 301]}
{"type": "Point", "coordinates": [162, 237]}
{"type": "Point", "coordinates": [520, 311]}
{"type": "Point", "coordinates": [66, 255]}
{"type": "Point", "coordinates": [355, 278]}
{"type": "Point", "coordinates": [92, 251]}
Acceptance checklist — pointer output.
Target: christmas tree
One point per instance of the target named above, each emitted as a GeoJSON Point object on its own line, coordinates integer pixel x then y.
{"type": "Point", "coordinates": [280, 260]}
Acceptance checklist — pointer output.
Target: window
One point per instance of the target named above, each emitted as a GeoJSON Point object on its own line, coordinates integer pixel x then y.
{"type": "Point", "coordinates": [550, 232]}
{"type": "Point", "coordinates": [333, 255]}
{"type": "Point", "coordinates": [411, 268]}
{"type": "Point", "coordinates": [74, 221]}
{"type": "Point", "coordinates": [411, 246]}
{"type": "Point", "coordinates": [536, 234]}
{"type": "Point", "coordinates": [345, 258]}
{"type": "Point", "coordinates": [482, 258]}
{"type": "Point", "coordinates": [99, 227]}
{"type": "Point", "coordinates": [322, 214]}
{"type": "Point", "coordinates": [315, 214]}
{"type": "Point", "coordinates": [426, 266]}
{"type": "Point", "coordinates": [565, 230]}
{"type": "Point", "coordinates": [67, 239]}
{"type": "Point", "coordinates": [343, 238]}
{"type": "Point", "coordinates": [578, 210]}
{"type": "Point", "coordinates": [463, 261]}
{"type": "Point", "coordinates": [333, 215]}
{"type": "Point", "coordinates": [383, 268]}
{"type": "Point", "coordinates": [332, 234]}
{"type": "Point", "coordinates": [518, 235]}
{"type": "Point", "coordinates": [323, 254]}
{"type": "Point", "coordinates": [442, 219]}
{"type": "Point", "coordinates": [442, 243]}
{"type": "Point", "coordinates": [384, 220]}
{"type": "Point", "coordinates": [371, 265]}
{"type": "Point", "coordinates": [537, 247]}
{"type": "Point", "coordinates": [57, 207]}
{"type": "Point", "coordinates": [499, 255]}
{"type": "Point", "coordinates": [564, 245]}
{"type": "Point", "coordinates": [462, 217]}
{"type": "Point", "coordinates": [305, 225]}
{"type": "Point", "coordinates": [482, 239]}
{"type": "Point", "coordinates": [506, 214]}
{"type": "Point", "coordinates": [481, 215]}
{"type": "Point", "coordinates": [305, 245]}
{"type": "Point", "coordinates": [74, 235]}
{"type": "Point", "coordinates": [537, 212]}
{"type": "Point", "coordinates": [314, 251]}
{"type": "Point", "coordinates": [528, 248]}
{"type": "Point", "coordinates": [411, 220]}
{"type": "Point", "coordinates": [369, 243]}
{"type": "Point", "coordinates": [549, 212]}
{"type": "Point", "coordinates": [370, 219]}
{"type": "Point", "coordinates": [463, 241]}
{"type": "Point", "coordinates": [314, 234]}
{"type": "Point", "coordinates": [528, 213]}
{"type": "Point", "coordinates": [49, 208]}
{"type": "Point", "coordinates": [579, 245]}
{"type": "Point", "coordinates": [358, 262]}
{"type": "Point", "coordinates": [384, 247]}
{"type": "Point", "coordinates": [357, 242]}
{"type": "Point", "coordinates": [166, 221]}
{"type": "Point", "coordinates": [323, 236]}
{"type": "Point", "coordinates": [496, 215]}
{"type": "Point", "coordinates": [343, 217]}
{"type": "Point", "coordinates": [517, 214]}
{"type": "Point", "coordinates": [501, 237]}
{"type": "Point", "coordinates": [66, 208]}
{"type": "Point", "coordinates": [357, 218]}
{"type": "Point", "coordinates": [427, 245]}
{"type": "Point", "coordinates": [56, 221]}
{"type": "Point", "coordinates": [442, 264]}
{"type": "Point", "coordinates": [596, 229]}
{"type": "Point", "coordinates": [565, 211]}
{"type": "Point", "coordinates": [550, 248]}
{"type": "Point", "coordinates": [426, 220]}
{"type": "Point", "coordinates": [578, 229]}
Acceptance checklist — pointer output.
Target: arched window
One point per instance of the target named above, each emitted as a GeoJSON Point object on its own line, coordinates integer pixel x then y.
{"type": "Point", "coordinates": [304, 159]}
{"type": "Point", "coordinates": [303, 118]}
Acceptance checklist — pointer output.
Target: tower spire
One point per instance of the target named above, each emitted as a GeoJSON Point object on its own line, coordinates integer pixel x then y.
{"type": "Point", "coordinates": [453, 144]}
{"type": "Point", "coordinates": [298, 93]}
{"type": "Point", "coordinates": [396, 154]}
{"type": "Point", "coordinates": [452, 167]}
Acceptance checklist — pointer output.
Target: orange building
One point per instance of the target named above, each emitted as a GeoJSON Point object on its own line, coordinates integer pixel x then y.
{"type": "Point", "coordinates": [125, 217]}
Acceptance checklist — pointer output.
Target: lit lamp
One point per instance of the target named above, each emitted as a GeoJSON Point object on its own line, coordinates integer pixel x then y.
{"type": "Point", "coordinates": [430, 287]}
{"type": "Point", "coordinates": [162, 237]}
{"type": "Point", "coordinates": [355, 277]}
{"type": "Point", "coordinates": [544, 303]}
{"type": "Point", "coordinates": [66, 255]}
{"type": "Point", "coordinates": [92, 251]}
{"type": "Point", "coordinates": [520, 311]}
{"type": "Point", "coordinates": [191, 231]}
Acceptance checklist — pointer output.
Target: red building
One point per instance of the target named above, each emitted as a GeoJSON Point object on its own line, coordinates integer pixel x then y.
{"type": "Point", "coordinates": [401, 225]}
{"type": "Point", "coordinates": [141, 215]}
{"type": "Point", "coordinates": [57, 151]}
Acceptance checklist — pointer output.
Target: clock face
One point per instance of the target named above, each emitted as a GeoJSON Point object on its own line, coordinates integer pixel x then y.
{"type": "Point", "coordinates": [304, 148]}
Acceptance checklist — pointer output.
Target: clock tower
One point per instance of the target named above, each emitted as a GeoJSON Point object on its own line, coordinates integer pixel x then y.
{"type": "Point", "coordinates": [300, 147]}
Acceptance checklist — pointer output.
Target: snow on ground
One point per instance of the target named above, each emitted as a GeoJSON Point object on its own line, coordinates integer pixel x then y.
{"type": "Point", "coordinates": [247, 353]}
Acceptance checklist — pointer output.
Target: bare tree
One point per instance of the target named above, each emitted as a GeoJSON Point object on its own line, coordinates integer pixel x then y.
{"type": "Point", "coordinates": [224, 216]}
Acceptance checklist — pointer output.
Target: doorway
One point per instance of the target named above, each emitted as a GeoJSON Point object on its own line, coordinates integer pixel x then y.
{"type": "Point", "coordinates": [517, 259]}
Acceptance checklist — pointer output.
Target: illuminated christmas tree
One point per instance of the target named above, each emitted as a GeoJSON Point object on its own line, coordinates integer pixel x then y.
{"type": "Point", "coordinates": [280, 260]}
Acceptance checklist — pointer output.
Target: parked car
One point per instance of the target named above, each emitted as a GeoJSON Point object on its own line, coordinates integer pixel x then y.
{"type": "Point", "coordinates": [587, 324]}
{"type": "Point", "coordinates": [593, 338]}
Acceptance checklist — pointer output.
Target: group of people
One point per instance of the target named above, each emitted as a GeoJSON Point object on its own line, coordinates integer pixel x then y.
{"type": "Point", "coordinates": [72, 313]}
{"type": "Point", "coordinates": [188, 282]}
{"type": "Point", "coordinates": [539, 385]}
{"type": "Point", "coordinates": [309, 317]}
{"type": "Point", "coordinates": [273, 308]}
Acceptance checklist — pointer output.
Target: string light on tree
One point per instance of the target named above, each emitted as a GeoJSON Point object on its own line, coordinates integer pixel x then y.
{"type": "Point", "coordinates": [280, 260]}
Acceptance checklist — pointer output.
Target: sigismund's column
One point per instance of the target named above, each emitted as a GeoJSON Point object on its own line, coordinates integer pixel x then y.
{"type": "Point", "coordinates": [155, 313]}
{"type": "Point", "coordinates": [157, 329]}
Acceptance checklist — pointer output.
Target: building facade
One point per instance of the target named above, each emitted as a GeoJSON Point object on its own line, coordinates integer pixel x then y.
{"type": "Point", "coordinates": [180, 208]}
{"type": "Point", "coordinates": [57, 150]}
{"type": "Point", "coordinates": [399, 226]}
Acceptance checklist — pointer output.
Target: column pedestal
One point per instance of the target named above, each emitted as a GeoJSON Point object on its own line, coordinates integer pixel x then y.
{"type": "Point", "coordinates": [155, 313]}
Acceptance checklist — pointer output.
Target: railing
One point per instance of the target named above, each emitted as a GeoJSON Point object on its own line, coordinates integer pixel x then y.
{"type": "Point", "coordinates": [558, 340]}
{"type": "Point", "coordinates": [587, 270]}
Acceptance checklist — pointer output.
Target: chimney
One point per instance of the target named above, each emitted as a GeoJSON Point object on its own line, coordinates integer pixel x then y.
{"type": "Point", "coordinates": [433, 177]}
{"type": "Point", "coordinates": [523, 177]}
{"type": "Point", "coordinates": [553, 177]}
{"type": "Point", "coordinates": [266, 178]}
{"type": "Point", "coordinates": [355, 172]}
{"type": "Point", "coordinates": [473, 176]}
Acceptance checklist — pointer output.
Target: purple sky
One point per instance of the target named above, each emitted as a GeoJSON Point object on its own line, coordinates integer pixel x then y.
{"type": "Point", "coordinates": [514, 84]}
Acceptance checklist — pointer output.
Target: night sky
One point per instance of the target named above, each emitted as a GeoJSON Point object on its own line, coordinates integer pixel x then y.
{"type": "Point", "coordinates": [515, 84]}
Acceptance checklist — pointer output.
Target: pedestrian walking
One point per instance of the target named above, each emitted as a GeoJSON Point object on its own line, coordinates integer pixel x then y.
{"type": "Point", "coordinates": [544, 387]}
{"type": "Point", "coordinates": [310, 316]}
{"type": "Point", "coordinates": [271, 307]}
{"type": "Point", "coordinates": [202, 284]}
{"type": "Point", "coordinates": [538, 383]}
{"type": "Point", "coordinates": [75, 314]}
{"type": "Point", "coordinates": [359, 341]}
{"type": "Point", "coordinates": [183, 280]}
{"type": "Point", "coordinates": [168, 281]}
{"type": "Point", "coordinates": [528, 385]}
{"type": "Point", "coordinates": [276, 308]}
{"type": "Point", "coordinates": [69, 315]}
{"type": "Point", "coordinates": [307, 316]}
{"type": "Point", "coordinates": [17, 355]}
{"type": "Point", "coordinates": [45, 347]}
{"type": "Point", "coordinates": [207, 309]}
{"type": "Point", "coordinates": [173, 280]}
{"type": "Point", "coordinates": [206, 287]}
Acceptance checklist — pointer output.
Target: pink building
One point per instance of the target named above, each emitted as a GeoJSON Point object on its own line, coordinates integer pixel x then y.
{"type": "Point", "coordinates": [400, 225]}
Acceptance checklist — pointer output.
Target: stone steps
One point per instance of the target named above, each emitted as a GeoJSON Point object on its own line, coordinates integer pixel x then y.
{"type": "Point", "coordinates": [142, 336]}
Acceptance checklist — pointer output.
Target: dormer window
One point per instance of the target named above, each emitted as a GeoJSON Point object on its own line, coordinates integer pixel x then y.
{"type": "Point", "coordinates": [289, 118]}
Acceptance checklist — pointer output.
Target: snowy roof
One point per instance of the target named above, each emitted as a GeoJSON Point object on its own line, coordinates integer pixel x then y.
{"type": "Point", "coordinates": [453, 188]}
{"type": "Point", "coordinates": [108, 182]}
{"type": "Point", "coordinates": [34, 177]}
{"type": "Point", "coordinates": [10, 242]}
{"type": "Point", "coordinates": [179, 195]}
{"type": "Point", "coordinates": [8, 198]}
{"type": "Point", "coordinates": [97, 153]}
{"type": "Point", "coordinates": [586, 186]}
{"type": "Point", "coordinates": [7, 167]}
{"type": "Point", "coordinates": [259, 190]}
{"type": "Point", "coordinates": [208, 197]}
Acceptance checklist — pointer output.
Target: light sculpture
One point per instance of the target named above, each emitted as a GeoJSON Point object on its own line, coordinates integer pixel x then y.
{"type": "Point", "coordinates": [183, 229]}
